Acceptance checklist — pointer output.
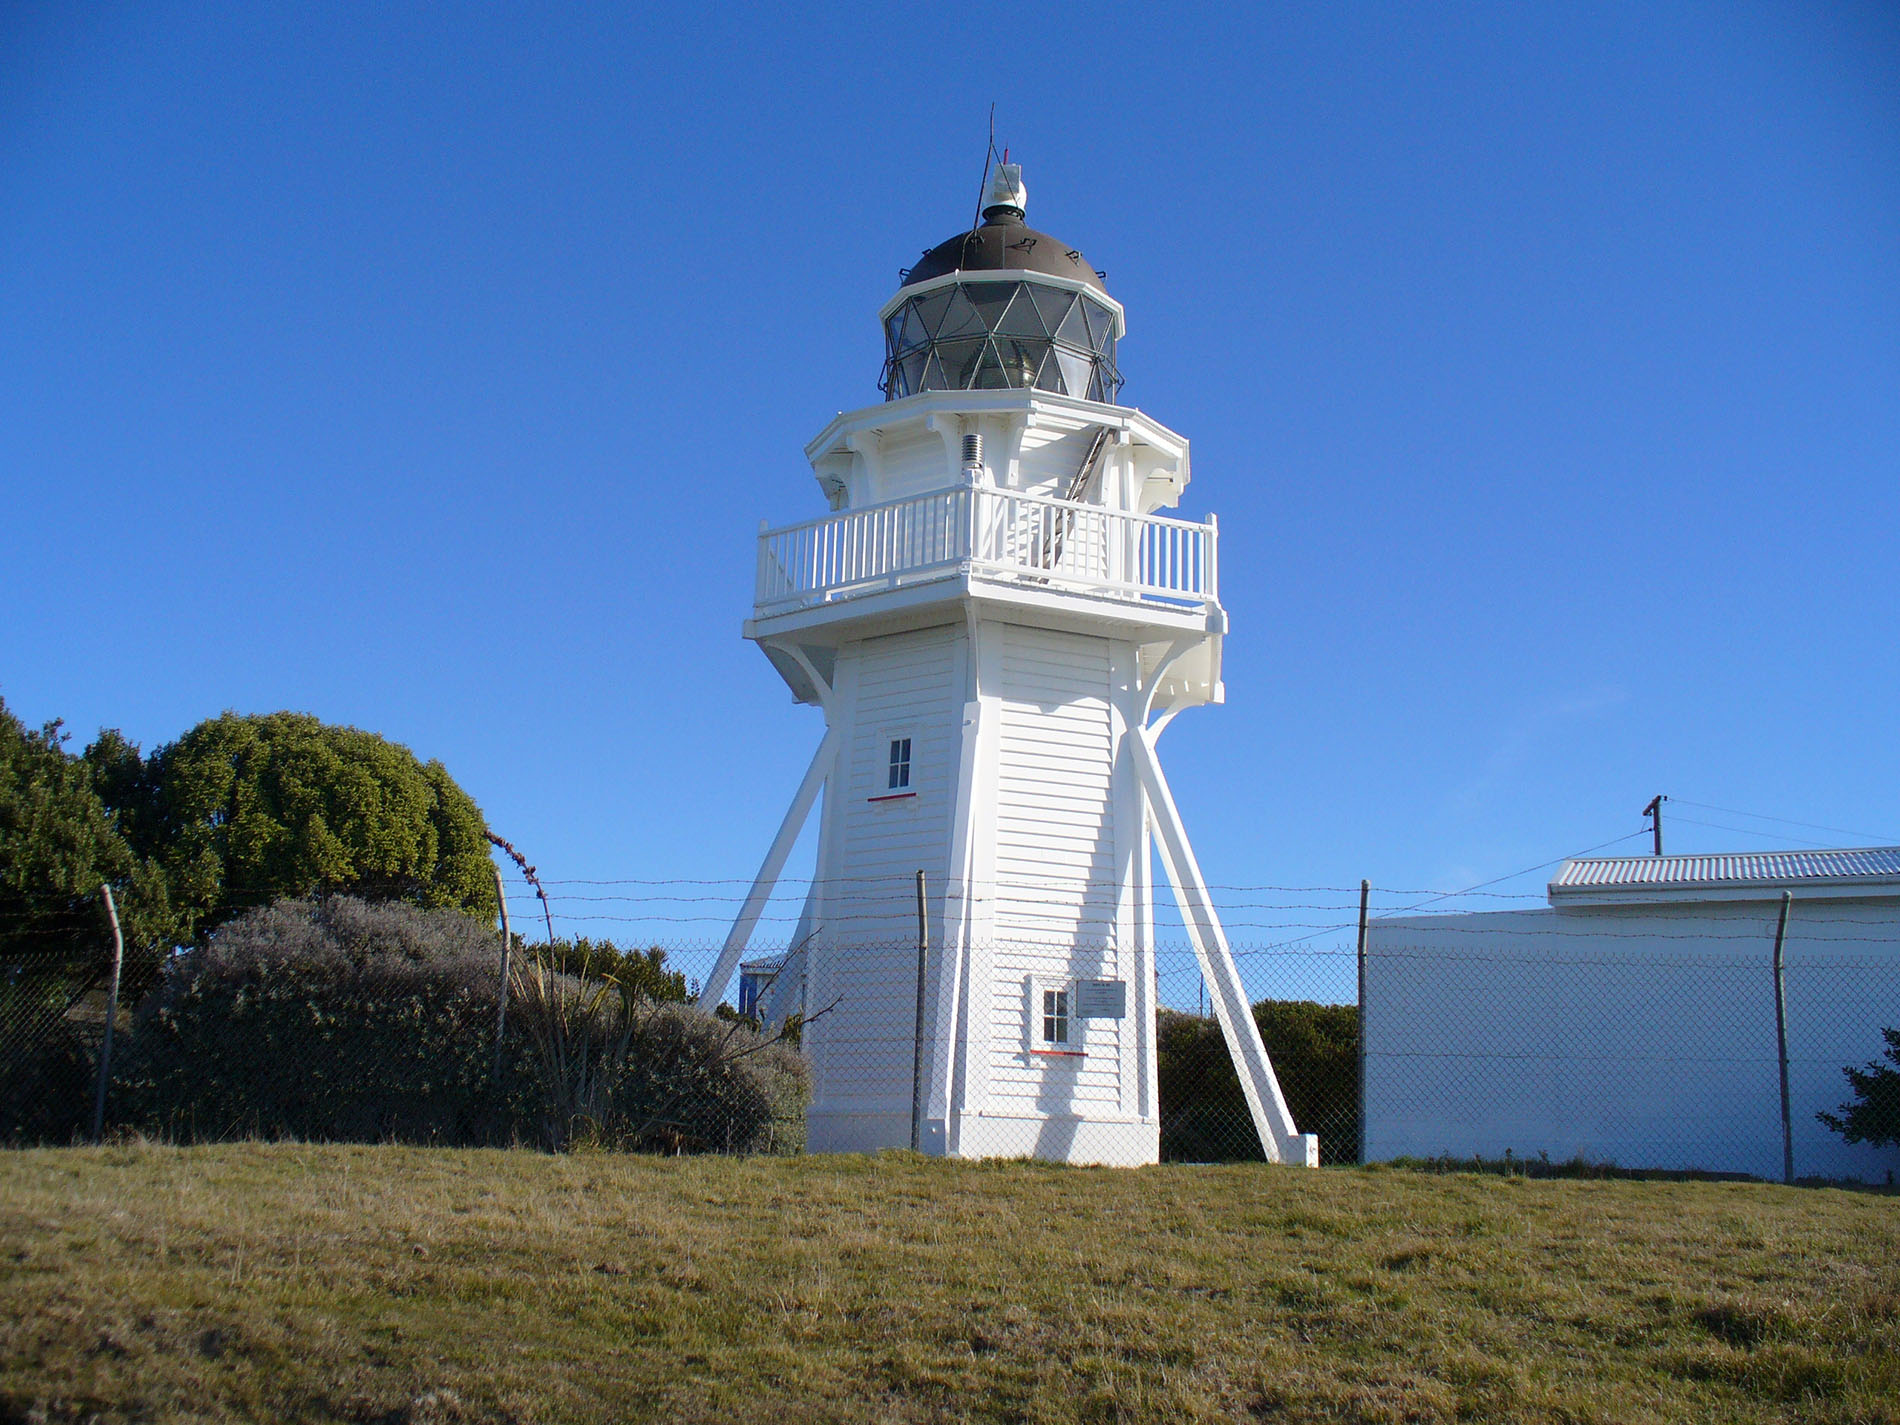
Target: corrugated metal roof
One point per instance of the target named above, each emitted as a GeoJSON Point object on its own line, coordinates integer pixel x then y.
{"type": "Point", "coordinates": [1742, 868]}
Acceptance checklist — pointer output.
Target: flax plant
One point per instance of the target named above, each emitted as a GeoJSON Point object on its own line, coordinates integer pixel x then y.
{"type": "Point", "coordinates": [580, 1028]}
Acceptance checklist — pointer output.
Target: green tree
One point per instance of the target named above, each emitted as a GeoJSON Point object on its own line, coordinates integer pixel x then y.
{"type": "Point", "coordinates": [58, 846]}
{"type": "Point", "coordinates": [1875, 1116]}
{"type": "Point", "coordinates": [245, 810]}
{"type": "Point", "coordinates": [59, 843]}
{"type": "Point", "coordinates": [1314, 1049]}
{"type": "Point", "coordinates": [640, 973]}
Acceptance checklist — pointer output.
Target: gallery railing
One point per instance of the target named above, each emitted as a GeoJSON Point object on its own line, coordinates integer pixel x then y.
{"type": "Point", "coordinates": [1029, 539]}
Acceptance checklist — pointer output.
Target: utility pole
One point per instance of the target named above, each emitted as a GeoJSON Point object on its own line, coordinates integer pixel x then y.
{"type": "Point", "coordinates": [1654, 812]}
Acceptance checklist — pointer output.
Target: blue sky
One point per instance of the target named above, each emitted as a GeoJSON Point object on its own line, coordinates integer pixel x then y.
{"type": "Point", "coordinates": [429, 369]}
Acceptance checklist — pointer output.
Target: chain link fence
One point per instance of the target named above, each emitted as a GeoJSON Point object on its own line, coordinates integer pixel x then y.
{"type": "Point", "coordinates": [1691, 1038]}
{"type": "Point", "coordinates": [52, 1024]}
{"type": "Point", "coordinates": [1505, 1037]}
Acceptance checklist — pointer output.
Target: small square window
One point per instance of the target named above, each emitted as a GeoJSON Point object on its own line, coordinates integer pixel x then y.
{"type": "Point", "coordinates": [1055, 1016]}
{"type": "Point", "coordinates": [900, 763]}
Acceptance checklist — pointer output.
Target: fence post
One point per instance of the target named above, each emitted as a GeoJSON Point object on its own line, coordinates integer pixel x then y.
{"type": "Point", "coordinates": [112, 1014]}
{"type": "Point", "coordinates": [507, 944]}
{"type": "Point", "coordinates": [1781, 1040]}
{"type": "Point", "coordinates": [1365, 892]}
{"type": "Point", "coordinates": [917, 1047]}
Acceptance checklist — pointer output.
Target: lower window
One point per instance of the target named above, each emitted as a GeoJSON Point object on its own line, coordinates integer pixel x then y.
{"type": "Point", "coordinates": [1055, 1019]}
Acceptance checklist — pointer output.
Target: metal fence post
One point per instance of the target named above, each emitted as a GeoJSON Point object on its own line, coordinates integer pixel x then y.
{"type": "Point", "coordinates": [112, 1014]}
{"type": "Point", "coordinates": [507, 945]}
{"type": "Point", "coordinates": [1781, 1039]}
{"type": "Point", "coordinates": [917, 1049]}
{"type": "Point", "coordinates": [1365, 893]}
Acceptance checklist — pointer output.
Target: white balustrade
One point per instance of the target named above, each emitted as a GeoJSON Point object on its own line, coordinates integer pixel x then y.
{"type": "Point", "coordinates": [1029, 539]}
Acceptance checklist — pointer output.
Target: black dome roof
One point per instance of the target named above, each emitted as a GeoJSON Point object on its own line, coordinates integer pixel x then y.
{"type": "Point", "coordinates": [1003, 243]}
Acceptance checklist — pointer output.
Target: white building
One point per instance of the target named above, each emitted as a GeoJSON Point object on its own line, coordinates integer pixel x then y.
{"type": "Point", "coordinates": [1633, 1021]}
{"type": "Point", "coordinates": [996, 625]}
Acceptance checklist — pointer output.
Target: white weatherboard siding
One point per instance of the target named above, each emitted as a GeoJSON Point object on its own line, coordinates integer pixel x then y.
{"type": "Point", "coordinates": [1642, 1036]}
{"type": "Point", "coordinates": [1056, 875]}
{"type": "Point", "coordinates": [900, 685]}
{"type": "Point", "coordinates": [909, 466]}
{"type": "Point", "coordinates": [1049, 460]}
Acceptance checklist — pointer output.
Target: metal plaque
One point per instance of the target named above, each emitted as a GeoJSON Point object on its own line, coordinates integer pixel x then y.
{"type": "Point", "coordinates": [1101, 999]}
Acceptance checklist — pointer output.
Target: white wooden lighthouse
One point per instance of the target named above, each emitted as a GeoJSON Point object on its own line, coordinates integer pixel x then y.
{"type": "Point", "coordinates": [997, 627]}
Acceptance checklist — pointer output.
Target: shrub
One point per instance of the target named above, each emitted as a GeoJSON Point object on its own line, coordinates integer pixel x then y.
{"type": "Point", "coordinates": [342, 1020]}
{"type": "Point", "coordinates": [333, 1020]}
{"type": "Point", "coordinates": [694, 1082]}
{"type": "Point", "coordinates": [1874, 1117]}
{"type": "Point", "coordinates": [1315, 1053]}
{"type": "Point", "coordinates": [623, 1062]}
{"type": "Point", "coordinates": [47, 1080]}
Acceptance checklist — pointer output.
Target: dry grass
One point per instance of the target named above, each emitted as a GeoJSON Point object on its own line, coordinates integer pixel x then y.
{"type": "Point", "coordinates": [288, 1282]}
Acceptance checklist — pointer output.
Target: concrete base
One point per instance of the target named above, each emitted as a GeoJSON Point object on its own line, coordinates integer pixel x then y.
{"type": "Point", "coordinates": [1054, 1139]}
{"type": "Point", "coordinates": [1060, 1138]}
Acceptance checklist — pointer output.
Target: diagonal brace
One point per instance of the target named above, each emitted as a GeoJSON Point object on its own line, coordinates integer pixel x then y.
{"type": "Point", "coordinates": [1280, 1140]}
{"type": "Point", "coordinates": [762, 885]}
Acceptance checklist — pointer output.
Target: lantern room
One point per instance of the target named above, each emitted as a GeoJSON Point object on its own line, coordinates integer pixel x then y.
{"type": "Point", "coordinates": [1002, 306]}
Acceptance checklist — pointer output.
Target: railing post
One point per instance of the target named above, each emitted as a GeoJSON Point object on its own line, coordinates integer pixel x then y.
{"type": "Point", "coordinates": [1211, 543]}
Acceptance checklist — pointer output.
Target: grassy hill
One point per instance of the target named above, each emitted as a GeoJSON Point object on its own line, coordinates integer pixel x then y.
{"type": "Point", "coordinates": [287, 1282]}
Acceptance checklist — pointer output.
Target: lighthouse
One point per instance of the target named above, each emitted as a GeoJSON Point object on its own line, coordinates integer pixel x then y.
{"type": "Point", "coordinates": [996, 625]}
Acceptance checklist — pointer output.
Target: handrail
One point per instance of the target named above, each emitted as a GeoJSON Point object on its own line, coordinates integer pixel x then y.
{"type": "Point", "coordinates": [1000, 534]}
{"type": "Point", "coordinates": [999, 494]}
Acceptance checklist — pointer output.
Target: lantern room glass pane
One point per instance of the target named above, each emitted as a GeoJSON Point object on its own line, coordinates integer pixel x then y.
{"type": "Point", "coordinates": [960, 318]}
{"type": "Point", "coordinates": [1052, 304]}
{"type": "Point", "coordinates": [894, 330]}
{"type": "Point", "coordinates": [1074, 330]}
{"type": "Point", "coordinates": [911, 370]}
{"type": "Point", "coordinates": [1021, 359]}
{"type": "Point", "coordinates": [998, 335]}
{"type": "Point", "coordinates": [1076, 371]}
{"type": "Point", "coordinates": [989, 374]}
{"type": "Point", "coordinates": [990, 299]}
{"type": "Point", "coordinates": [1022, 318]}
{"type": "Point", "coordinates": [959, 360]}
{"type": "Point", "coordinates": [930, 309]}
{"type": "Point", "coordinates": [1049, 378]}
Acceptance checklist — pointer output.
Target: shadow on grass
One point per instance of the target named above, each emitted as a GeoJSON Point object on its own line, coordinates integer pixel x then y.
{"type": "Point", "coordinates": [1512, 1166]}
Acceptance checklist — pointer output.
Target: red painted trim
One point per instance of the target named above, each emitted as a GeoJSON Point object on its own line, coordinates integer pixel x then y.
{"type": "Point", "coordinates": [893, 797]}
{"type": "Point", "coordinates": [1062, 1053]}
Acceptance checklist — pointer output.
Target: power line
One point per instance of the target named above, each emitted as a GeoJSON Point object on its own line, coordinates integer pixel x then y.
{"type": "Point", "coordinates": [1498, 880]}
{"type": "Point", "coordinates": [1786, 821]}
{"type": "Point", "coordinates": [1750, 831]}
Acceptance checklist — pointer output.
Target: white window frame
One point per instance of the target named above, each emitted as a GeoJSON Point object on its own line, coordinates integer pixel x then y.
{"type": "Point", "coordinates": [1071, 1045]}
{"type": "Point", "coordinates": [882, 790]}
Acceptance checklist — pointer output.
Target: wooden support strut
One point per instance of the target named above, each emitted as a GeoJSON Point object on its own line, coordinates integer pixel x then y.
{"type": "Point", "coordinates": [763, 884]}
{"type": "Point", "coordinates": [1280, 1140]}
